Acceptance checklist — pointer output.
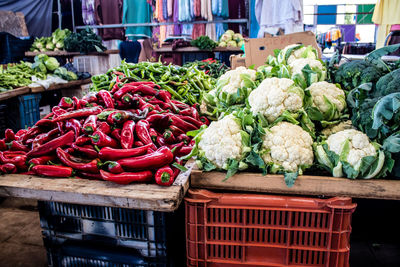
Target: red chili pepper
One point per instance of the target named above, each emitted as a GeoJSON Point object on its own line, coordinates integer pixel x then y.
{"type": "Point", "coordinates": [183, 138]}
{"type": "Point", "coordinates": [153, 134]}
{"type": "Point", "coordinates": [17, 146]}
{"type": "Point", "coordinates": [90, 167]}
{"type": "Point", "coordinates": [43, 160]}
{"type": "Point", "coordinates": [104, 114]}
{"type": "Point", "coordinates": [45, 123]}
{"type": "Point", "coordinates": [66, 102]}
{"type": "Point", "coordinates": [9, 135]}
{"type": "Point", "coordinates": [175, 130]}
{"type": "Point", "coordinates": [107, 98]}
{"type": "Point", "coordinates": [128, 99]}
{"type": "Point", "coordinates": [169, 137]}
{"type": "Point", "coordinates": [74, 125]}
{"type": "Point", "coordinates": [205, 120]}
{"type": "Point", "coordinates": [185, 150]}
{"type": "Point", "coordinates": [181, 124]}
{"type": "Point", "coordinates": [52, 171]}
{"type": "Point", "coordinates": [127, 177]}
{"type": "Point", "coordinates": [44, 137]}
{"type": "Point", "coordinates": [90, 124]}
{"type": "Point", "coordinates": [58, 111]}
{"type": "Point", "coordinates": [31, 133]}
{"type": "Point", "coordinates": [165, 176]}
{"type": "Point", "coordinates": [102, 140]}
{"type": "Point", "coordinates": [164, 95]}
{"type": "Point", "coordinates": [160, 141]}
{"type": "Point", "coordinates": [139, 144]}
{"type": "Point", "coordinates": [48, 116]}
{"type": "Point", "coordinates": [175, 148]}
{"type": "Point", "coordinates": [128, 134]}
{"type": "Point", "coordinates": [19, 161]}
{"type": "Point", "coordinates": [107, 153]}
{"type": "Point", "coordinates": [160, 157]}
{"type": "Point", "coordinates": [159, 120]}
{"type": "Point", "coordinates": [142, 132]}
{"type": "Point", "coordinates": [160, 103]}
{"type": "Point", "coordinates": [179, 104]}
{"type": "Point", "coordinates": [191, 120]}
{"type": "Point", "coordinates": [104, 127]}
{"type": "Point", "coordinates": [8, 168]}
{"type": "Point", "coordinates": [64, 140]}
{"type": "Point", "coordinates": [114, 167]}
{"type": "Point", "coordinates": [119, 116]}
{"type": "Point", "coordinates": [116, 134]}
{"type": "Point", "coordinates": [76, 101]}
{"type": "Point", "coordinates": [84, 112]}
{"type": "Point", "coordinates": [88, 150]}
{"type": "Point", "coordinates": [142, 89]}
{"type": "Point", "coordinates": [83, 103]}
{"type": "Point", "coordinates": [82, 140]}
{"type": "Point", "coordinates": [3, 145]}
{"type": "Point", "coordinates": [12, 154]}
{"type": "Point", "coordinates": [90, 97]}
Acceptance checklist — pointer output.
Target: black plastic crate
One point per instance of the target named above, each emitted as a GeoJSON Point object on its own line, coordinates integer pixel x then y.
{"type": "Point", "coordinates": [12, 49]}
{"type": "Point", "coordinates": [3, 119]}
{"type": "Point", "coordinates": [80, 254]}
{"type": "Point", "coordinates": [145, 231]}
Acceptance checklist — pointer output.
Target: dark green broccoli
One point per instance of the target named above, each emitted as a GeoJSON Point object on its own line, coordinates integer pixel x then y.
{"type": "Point", "coordinates": [362, 117]}
{"type": "Point", "coordinates": [390, 83]}
{"type": "Point", "coordinates": [354, 73]}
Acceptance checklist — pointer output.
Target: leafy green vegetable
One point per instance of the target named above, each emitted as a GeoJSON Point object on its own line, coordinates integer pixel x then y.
{"type": "Point", "coordinates": [375, 56]}
{"type": "Point", "coordinates": [204, 43]}
{"type": "Point", "coordinates": [84, 41]}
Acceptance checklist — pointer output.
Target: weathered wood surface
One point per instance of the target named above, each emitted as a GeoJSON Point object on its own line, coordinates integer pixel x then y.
{"type": "Point", "coordinates": [304, 185]}
{"type": "Point", "coordinates": [71, 84]}
{"type": "Point", "coordinates": [101, 193]}
{"type": "Point", "coordinates": [71, 54]}
{"type": "Point", "coordinates": [191, 49]}
{"type": "Point", "coordinates": [14, 92]}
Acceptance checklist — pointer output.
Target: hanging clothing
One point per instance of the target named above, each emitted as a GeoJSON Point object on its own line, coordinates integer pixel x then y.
{"type": "Point", "coordinates": [177, 27]}
{"type": "Point", "coordinates": [170, 7]}
{"type": "Point", "coordinates": [237, 10]}
{"type": "Point", "coordinates": [165, 9]}
{"type": "Point", "coordinates": [198, 30]}
{"type": "Point", "coordinates": [386, 13]}
{"type": "Point", "coordinates": [137, 11]}
{"type": "Point", "coordinates": [88, 12]}
{"type": "Point", "coordinates": [275, 14]}
{"type": "Point", "coordinates": [109, 12]}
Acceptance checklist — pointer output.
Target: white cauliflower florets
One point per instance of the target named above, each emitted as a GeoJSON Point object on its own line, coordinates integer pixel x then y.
{"type": "Point", "coordinates": [298, 64]}
{"type": "Point", "coordinates": [298, 53]}
{"type": "Point", "coordinates": [275, 95]}
{"type": "Point", "coordinates": [360, 146]}
{"type": "Point", "coordinates": [334, 94]}
{"type": "Point", "coordinates": [222, 141]}
{"type": "Point", "coordinates": [289, 146]}
{"type": "Point", "coordinates": [234, 79]}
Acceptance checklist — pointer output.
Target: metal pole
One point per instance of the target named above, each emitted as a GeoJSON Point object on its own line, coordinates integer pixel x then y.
{"type": "Point", "coordinates": [59, 14]}
{"type": "Point", "coordinates": [73, 16]}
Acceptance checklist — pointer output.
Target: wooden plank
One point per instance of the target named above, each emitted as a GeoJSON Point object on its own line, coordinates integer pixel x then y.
{"type": "Point", "coordinates": [101, 193]}
{"type": "Point", "coordinates": [70, 54]}
{"type": "Point", "coordinates": [304, 185]}
{"type": "Point", "coordinates": [70, 84]}
{"type": "Point", "coordinates": [14, 92]}
{"type": "Point", "coordinates": [191, 49]}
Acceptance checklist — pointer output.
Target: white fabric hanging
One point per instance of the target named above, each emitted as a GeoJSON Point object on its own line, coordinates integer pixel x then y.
{"type": "Point", "coordinates": [274, 14]}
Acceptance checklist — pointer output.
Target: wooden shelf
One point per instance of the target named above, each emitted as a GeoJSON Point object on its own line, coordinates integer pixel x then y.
{"type": "Point", "coordinates": [70, 54]}
{"type": "Point", "coordinates": [191, 49]}
{"type": "Point", "coordinates": [14, 92]}
{"type": "Point", "coordinates": [304, 185]}
{"type": "Point", "coordinates": [60, 86]}
{"type": "Point", "coordinates": [100, 193]}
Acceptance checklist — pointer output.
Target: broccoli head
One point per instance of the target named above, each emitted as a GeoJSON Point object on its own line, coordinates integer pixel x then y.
{"type": "Point", "coordinates": [390, 83]}
{"type": "Point", "coordinates": [354, 73]}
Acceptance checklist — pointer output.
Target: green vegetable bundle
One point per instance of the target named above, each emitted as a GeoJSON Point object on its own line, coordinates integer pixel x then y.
{"type": "Point", "coordinates": [84, 41]}
{"type": "Point", "coordinates": [185, 84]}
{"type": "Point", "coordinates": [18, 75]}
{"type": "Point", "coordinates": [204, 43]}
{"type": "Point", "coordinates": [210, 66]}
{"type": "Point", "coordinates": [53, 43]}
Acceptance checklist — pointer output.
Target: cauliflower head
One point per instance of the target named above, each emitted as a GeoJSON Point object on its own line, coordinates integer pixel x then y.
{"type": "Point", "coordinates": [350, 153]}
{"type": "Point", "coordinates": [232, 80]}
{"type": "Point", "coordinates": [287, 147]}
{"type": "Point", "coordinates": [334, 128]}
{"type": "Point", "coordinates": [221, 141]}
{"type": "Point", "coordinates": [314, 69]}
{"type": "Point", "coordinates": [295, 51]}
{"type": "Point", "coordinates": [328, 99]}
{"type": "Point", "coordinates": [274, 96]}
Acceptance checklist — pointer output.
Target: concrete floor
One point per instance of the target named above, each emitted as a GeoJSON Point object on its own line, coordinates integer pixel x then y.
{"type": "Point", "coordinates": [21, 241]}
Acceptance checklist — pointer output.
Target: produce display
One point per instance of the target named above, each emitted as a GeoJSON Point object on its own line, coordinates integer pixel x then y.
{"type": "Point", "coordinates": [17, 75]}
{"type": "Point", "coordinates": [286, 118]}
{"type": "Point", "coordinates": [84, 41]}
{"type": "Point", "coordinates": [53, 43]}
{"type": "Point", "coordinates": [184, 84]}
{"type": "Point", "coordinates": [133, 133]}
{"type": "Point", "coordinates": [210, 66]}
{"type": "Point", "coordinates": [204, 43]}
{"type": "Point", "coordinates": [231, 39]}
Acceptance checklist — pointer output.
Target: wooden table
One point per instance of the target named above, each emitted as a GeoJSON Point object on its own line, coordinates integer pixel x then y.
{"type": "Point", "coordinates": [14, 92]}
{"type": "Point", "coordinates": [100, 193]}
{"type": "Point", "coordinates": [70, 54]}
{"type": "Point", "coordinates": [304, 185]}
{"type": "Point", "coordinates": [68, 85]}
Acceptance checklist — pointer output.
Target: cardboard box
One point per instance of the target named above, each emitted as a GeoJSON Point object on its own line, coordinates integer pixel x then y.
{"type": "Point", "coordinates": [257, 50]}
{"type": "Point", "coordinates": [237, 61]}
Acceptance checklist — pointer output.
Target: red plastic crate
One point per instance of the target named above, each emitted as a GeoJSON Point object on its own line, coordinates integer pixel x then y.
{"type": "Point", "coordinates": [265, 230]}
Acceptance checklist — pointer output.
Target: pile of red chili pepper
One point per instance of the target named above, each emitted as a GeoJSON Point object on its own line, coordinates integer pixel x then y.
{"type": "Point", "coordinates": [133, 133]}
